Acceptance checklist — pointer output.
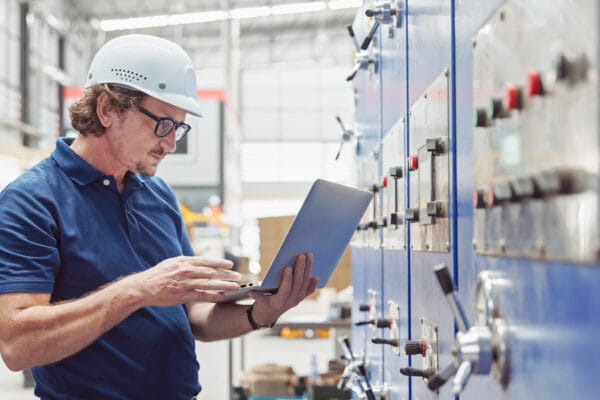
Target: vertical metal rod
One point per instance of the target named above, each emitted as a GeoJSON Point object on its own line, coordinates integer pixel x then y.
{"type": "Point", "coordinates": [61, 100]}
{"type": "Point", "coordinates": [24, 70]}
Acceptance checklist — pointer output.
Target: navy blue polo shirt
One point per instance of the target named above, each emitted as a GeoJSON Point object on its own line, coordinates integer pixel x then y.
{"type": "Point", "coordinates": [66, 230]}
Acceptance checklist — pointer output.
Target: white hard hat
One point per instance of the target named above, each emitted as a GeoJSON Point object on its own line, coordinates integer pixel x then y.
{"type": "Point", "coordinates": [153, 65]}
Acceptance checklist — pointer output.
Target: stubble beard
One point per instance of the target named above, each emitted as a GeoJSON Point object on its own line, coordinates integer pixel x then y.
{"type": "Point", "coordinates": [149, 169]}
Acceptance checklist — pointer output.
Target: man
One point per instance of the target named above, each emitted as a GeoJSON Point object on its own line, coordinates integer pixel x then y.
{"type": "Point", "coordinates": [99, 290]}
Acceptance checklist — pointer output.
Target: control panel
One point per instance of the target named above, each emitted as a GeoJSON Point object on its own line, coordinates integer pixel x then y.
{"type": "Point", "coordinates": [535, 121]}
{"type": "Point", "coordinates": [482, 348]}
{"type": "Point", "coordinates": [428, 166]}
{"type": "Point", "coordinates": [367, 232]}
{"type": "Point", "coordinates": [394, 187]}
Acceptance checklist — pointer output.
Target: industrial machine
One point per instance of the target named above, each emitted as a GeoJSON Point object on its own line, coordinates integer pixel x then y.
{"type": "Point", "coordinates": [476, 269]}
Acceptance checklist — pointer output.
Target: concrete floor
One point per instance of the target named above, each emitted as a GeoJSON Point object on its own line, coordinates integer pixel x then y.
{"type": "Point", "coordinates": [11, 385]}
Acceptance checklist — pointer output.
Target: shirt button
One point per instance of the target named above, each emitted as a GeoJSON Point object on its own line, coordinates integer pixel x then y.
{"type": "Point", "coordinates": [106, 182]}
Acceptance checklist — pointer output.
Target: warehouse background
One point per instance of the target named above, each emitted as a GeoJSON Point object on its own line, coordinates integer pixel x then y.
{"type": "Point", "coordinates": [474, 124]}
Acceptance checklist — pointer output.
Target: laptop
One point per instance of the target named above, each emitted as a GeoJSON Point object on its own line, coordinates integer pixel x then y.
{"type": "Point", "coordinates": [324, 226]}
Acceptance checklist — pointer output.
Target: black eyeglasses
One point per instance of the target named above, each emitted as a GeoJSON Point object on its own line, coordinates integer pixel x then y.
{"type": "Point", "coordinates": [164, 125]}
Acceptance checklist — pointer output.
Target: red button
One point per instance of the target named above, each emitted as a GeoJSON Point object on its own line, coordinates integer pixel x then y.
{"type": "Point", "coordinates": [511, 98]}
{"type": "Point", "coordinates": [413, 163]}
{"type": "Point", "coordinates": [534, 83]}
{"type": "Point", "coordinates": [384, 181]}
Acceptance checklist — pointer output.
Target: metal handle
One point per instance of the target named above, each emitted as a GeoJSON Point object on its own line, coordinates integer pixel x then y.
{"type": "Point", "coordinates": [462, 376]}
{"type": "Point", "coordinates": [353, 37]}
{"type": "Point", "coordinates": [391, 342]}
{"type": "Point", "coordinates": [438, 380]}
{"type": "Point", "coordinates": [353, 72]}
{"type": "Point", "coordinates": [411, 371]}
{"type": "Point", "coordinates": [367, 41]}
{"type": "Point", "coordinates": [445, 281]}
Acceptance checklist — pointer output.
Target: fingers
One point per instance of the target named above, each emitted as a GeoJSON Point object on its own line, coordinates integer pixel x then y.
{"type": "Point", "coordinates": [298, 277]}
{"type": "Point", "coordinates": [210, 284]}
{"type": "Point", "coordinates": [207, 262]}
{"type": "Point", "coordinates": [211, 273]}
{"type": "Point", "coordinates": [312, 286]}
{"type": "Point", "coordinates": [306, 277]}
{"type": "Point", "coordinates": [285, 286]}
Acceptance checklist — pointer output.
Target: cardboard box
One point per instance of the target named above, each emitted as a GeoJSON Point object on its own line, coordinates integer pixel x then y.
{"type": "Point", "coordinates": [269, 380]}
{"type": "Point", "coordinates": [272, 233]}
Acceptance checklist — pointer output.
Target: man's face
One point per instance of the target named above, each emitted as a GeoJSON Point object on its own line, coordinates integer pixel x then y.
{"type": "Point", "coordinates": [134, 143]}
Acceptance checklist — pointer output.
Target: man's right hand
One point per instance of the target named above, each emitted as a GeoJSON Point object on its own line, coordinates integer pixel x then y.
{"type": "Point", "coordinates": [184, 279]}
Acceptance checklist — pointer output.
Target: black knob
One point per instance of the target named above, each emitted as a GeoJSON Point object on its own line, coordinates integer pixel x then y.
{"type": "Point", "coordinates": [495, 108]}
{"type": "Point", "coordinates": [369, 12]}
{"type": "Point", "coordinates": [391, 342]}
{"type": "Point", "coordinates": [411, 371]}
{"type": "Point", "coordinates": [364, 307]}
{"type": "Point", "coordinates": [523, 188]}
{"type": "Point", "coordinates": [503, 192]}
{"type": "Point", "coordinates": [350, 30]}
{"type": "Point", "coordinates": [443, 276]}
{"type": "Point", "coordinates": [479, 117]}
{"type": "Point", "coordinates": [414, 347]}
{"type": "Point", "coordinates": [383, 323]}
{"type": "Point", "coordinates": [436, 382]}
{"type": "Point", "coordinates": [435, 209]}
{"type": "Point", "coordinates": [374, 188]}
{"type": "Point", "coordinates": [479, 198]}
{"type": "Point", "coordinates": [562, 67]}
{"type": "Point", "coordinates": [434, 145]}
{"type": "Point", "coordinates": [396, 172]}
{"type": "Point", "coordinates": [373, 225]}
{"type": "Point", "coordinates": [412, 214]}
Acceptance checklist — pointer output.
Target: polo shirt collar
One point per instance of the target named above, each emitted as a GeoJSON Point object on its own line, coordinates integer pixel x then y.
{"type": "Point", "coordinates": [79, 170]}
{"type": "Point", "coordinates": [74, 166]}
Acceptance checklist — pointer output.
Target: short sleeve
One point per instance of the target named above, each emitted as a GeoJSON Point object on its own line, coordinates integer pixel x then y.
{"type": "Point", "coordinates": [29, 255]}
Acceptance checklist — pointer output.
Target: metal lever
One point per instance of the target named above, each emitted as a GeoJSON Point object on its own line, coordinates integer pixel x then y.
{"type": "Point", "coordinates": [379, 323]}
{"type": "Point", "coordinates": [347, 135]}
{"type": "Point", "coordinates": [356, 68]}
{"type": "Point", "coordinates": [356, 370]}
{"type": "Point", "coordinates": [479, 349]}
{"type": "Point", "coordinates": [411, 371]}
{"type": "Point", "coordinates": [462, 376]}
{"type": "Point", "coordinates": [353, 37]}
{"type": "Point", "coordinates": [443, 276]}
{"type": "Point", "coordinates": [438, 380]}
{"type": "Point", "coordinates": [391, 342]}
{"type": "Point", "coordinates": [367, 41]}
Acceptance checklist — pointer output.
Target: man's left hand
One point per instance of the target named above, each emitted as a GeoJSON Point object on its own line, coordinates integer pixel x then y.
{"type": "Point", "coordinates": [296, 284]}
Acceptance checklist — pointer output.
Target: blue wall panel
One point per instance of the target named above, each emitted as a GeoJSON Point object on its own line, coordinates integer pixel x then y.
{"type": "Point", "coordinates": [395, 288]}
{"type": "Point", "coordinates": [552, 307]}
{"type": "Point", "coordinates": [429, 53]}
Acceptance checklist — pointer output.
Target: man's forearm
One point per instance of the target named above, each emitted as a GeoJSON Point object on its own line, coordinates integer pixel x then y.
{"type": "Point", "coordinates": [218, 321]}
{"type": "Point", "coordinates": [42, 334]}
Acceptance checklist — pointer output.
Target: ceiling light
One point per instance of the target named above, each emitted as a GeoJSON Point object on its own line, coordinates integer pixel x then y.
{"type": "Point", "coordinates": [297, 8]}
{"type": "Point", "coordinates": [341, 4]}
{"type": "Point", "coordinates": [218, 15]}
{"type": "Point", "coordinates": [250, 12]}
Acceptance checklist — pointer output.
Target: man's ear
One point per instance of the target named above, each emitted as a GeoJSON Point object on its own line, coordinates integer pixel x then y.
{"type": "Point", "coordinates": [105, 112]}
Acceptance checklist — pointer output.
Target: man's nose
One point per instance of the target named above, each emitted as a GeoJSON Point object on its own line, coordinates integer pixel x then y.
{"type": "Point", "coordinates": [170, 141]}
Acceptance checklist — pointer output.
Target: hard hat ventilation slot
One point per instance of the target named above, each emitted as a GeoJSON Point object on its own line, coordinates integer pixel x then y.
{"type": "Point", "coordinates": [127, 75]}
